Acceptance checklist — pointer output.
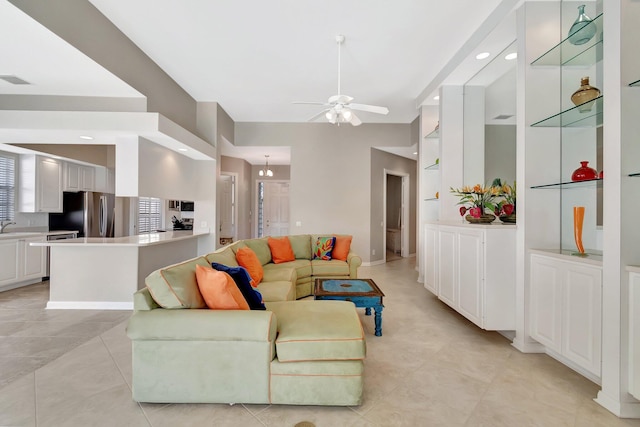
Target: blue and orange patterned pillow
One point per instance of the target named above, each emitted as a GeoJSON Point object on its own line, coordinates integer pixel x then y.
{"type": "Point", "coordinates": [323, 247]}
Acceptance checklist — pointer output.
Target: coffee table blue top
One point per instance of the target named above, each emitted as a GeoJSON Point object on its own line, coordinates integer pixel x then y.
{"type": "Point", "coordinates": [342, 285]}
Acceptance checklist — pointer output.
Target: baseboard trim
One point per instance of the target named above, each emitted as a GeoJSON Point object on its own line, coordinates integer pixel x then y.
{"type": "Point", "coordinates": [19, 284]}
{"type": "Point", "coordinates": [89, 305]}
{"type": "Point", "coordinates": [620, 409]}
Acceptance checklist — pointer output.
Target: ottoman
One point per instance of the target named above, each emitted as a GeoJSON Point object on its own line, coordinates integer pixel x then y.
{"type": "Point", "coordinates": [320, 350]}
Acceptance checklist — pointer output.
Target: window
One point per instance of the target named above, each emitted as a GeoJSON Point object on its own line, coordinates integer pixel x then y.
{"type": "Point", "coordinates": [149, 214]}
{"type": "Point", "coordinates": [7, 187]}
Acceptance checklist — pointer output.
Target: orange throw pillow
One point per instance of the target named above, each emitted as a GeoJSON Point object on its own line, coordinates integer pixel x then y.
{"type": "Point", "coordinates": [248, 259]}
{"type": "Point", "coordinates": [281, 250]}
{"type": "Point", "coordinates": [341, 248]}
{"type": "Point", "coordinates": [219, 290]}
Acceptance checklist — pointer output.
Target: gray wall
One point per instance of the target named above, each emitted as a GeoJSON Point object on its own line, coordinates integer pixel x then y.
{"type": "Point", "coordinates": [380, 161]}
{"type": "Point", "coordinates": [500, 153]}
{"type": "Point", "coordinates": [330, 173]}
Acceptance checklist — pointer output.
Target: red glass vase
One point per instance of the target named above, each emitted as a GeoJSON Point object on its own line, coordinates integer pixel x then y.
{"type": "Point", "coordinates": [584, 172]}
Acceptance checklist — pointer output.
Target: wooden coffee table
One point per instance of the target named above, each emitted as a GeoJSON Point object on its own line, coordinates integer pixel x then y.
{"type": "Point", "coordinates": [362, 292]}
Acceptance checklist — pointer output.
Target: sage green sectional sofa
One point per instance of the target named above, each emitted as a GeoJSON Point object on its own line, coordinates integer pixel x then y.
{"type": "Point", "coordinates": [300, 272]}
{"type": "Point", "coordinates": [295, 352]}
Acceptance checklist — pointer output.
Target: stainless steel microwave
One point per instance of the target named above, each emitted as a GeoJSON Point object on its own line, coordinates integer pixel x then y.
{"type": "Point", "coordinates": [186, 206]}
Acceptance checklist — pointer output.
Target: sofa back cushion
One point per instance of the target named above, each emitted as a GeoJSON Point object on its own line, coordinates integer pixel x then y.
{"type": "Point", "coordinates": [281, 250]}
{"type": "Point", "coordinates": [261, 248]}
{"type": "Point", "coordinates": [224, 256]}
{"type": "Point", "coordinates": [240, 275]}
{"type": "Point", "coordinates": [219, 290]}
{"type": "Point", "coordinates": [176, 286]}
{"type": "Point", "coordinates": [248, 259]}
{"type": "Point", "coordinates": [301, 245]}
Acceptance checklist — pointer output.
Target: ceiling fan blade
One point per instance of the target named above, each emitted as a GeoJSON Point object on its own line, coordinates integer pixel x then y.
{"type": "Point", "coordinates": [355, 121]}
{"type": "Point", "coordinates": [320, 114]}
{"type": "Point", "coordinates": [369, 108]}
{"type": "Point", "coordinates": [309, 103]}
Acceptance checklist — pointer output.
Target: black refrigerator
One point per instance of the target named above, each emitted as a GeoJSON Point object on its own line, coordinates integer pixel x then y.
{"type": "Point", "coordinates": [89, 213]}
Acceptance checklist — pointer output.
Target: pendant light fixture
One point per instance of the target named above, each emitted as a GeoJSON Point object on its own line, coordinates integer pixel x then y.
{"type": "Point", "coordinates": [266, 171]}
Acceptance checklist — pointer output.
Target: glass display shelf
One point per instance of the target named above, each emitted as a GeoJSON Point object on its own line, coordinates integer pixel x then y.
{"type": "Point", "coordinates": [565, 53]}
{"type": "Point", "coordinates": [570, 184]}
{"type": "Point", "coordinates": [635, 174]}
{"type": "Point", "coordinates": [578, 116]}
{"type": "Point", "coordinates": [434, 133]}
{"type": "Point", "coordinates": [635, 84]}
{"type": "Point", "coordinates": [432, 199]}
{"type": "Point", "coordinates": [432, 167]}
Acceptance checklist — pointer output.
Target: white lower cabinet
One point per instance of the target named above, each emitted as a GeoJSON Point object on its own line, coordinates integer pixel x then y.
{"type": "Point", "coordinates": [566, 309]}
{"type": "Point", "coordinates": [472, 269]}
{"type": "Point", "coordinates": [634, 331]}
{"type": "Point", "coordinates": [20, 262]}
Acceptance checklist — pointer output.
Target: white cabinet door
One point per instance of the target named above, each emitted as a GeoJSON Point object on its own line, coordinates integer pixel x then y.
{"type": "Point", "coordinates": [431, 259]}
{"type": "Point", "coordinates": [49, 185]}
{"type": "Point", "coordinates": [546, 302]}
{"type": "Point", "coordinates": [470, 273]}
{"type": "Point", "coordinates": [582, 322]}
{"type": "Point", "coordinates": [9, 261]}
{"type": "Point", "coordinates": [71, 177]}
{"type": "Point", "coordinates": [87, 178]}
{"type": "Point", "coordinates": [33, 259]}
{"type": "Point", "coordinates": [447, 266]}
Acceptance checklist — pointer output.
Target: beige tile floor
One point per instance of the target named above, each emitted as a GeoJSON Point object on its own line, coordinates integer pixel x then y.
{"type": "Point", "coordinates": [431, 367]}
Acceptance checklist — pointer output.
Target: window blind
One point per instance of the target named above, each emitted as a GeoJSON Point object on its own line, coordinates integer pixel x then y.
{"type": "Point", "coordinates": [149, 214]}
{"type": "Point", "coordinates": [7, 187]}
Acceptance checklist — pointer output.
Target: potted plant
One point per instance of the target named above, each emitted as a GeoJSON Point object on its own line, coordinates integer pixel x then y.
{"type": "Point", "coordinates": [478, 202]}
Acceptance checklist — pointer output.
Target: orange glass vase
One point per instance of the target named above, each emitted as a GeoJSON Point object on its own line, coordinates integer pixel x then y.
{"type": "Point", "coordinates": [578, 220]}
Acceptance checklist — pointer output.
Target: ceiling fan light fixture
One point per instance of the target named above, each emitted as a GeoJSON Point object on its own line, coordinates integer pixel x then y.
{"type": "Point", "coordinates": [346, 114]}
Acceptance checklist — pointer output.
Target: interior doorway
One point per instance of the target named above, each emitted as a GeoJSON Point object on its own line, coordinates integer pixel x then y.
{"type": "Point", "coordinates": [227, 227]}
{"type": "Point", "coordinates": [396, 215]}
{"type": "Point", "coordinates": [272, 208]}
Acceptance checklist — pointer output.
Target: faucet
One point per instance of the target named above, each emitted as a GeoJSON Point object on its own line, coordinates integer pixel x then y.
{"type": "Point", "coordinates": [4, 225]}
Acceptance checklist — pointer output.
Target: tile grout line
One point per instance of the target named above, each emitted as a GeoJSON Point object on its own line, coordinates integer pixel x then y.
{"type": "Point", "coordinates": [35, 397]}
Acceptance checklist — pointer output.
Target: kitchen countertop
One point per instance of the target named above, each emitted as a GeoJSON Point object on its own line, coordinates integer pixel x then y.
{"type": "Point", "coordinates": [147, 239]}
{"type": "Point", "coordinates": [22, 234]}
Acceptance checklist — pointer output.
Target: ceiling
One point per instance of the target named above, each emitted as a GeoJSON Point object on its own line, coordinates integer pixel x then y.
{"type": "Point", "coordinates": [255, 57]}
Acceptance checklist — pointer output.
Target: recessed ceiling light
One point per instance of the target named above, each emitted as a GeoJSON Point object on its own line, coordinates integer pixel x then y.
{"type": "Point", "coordinates": [510, 56]}
{"type": "Point", "coordinates": [483, 55]}
{"type": "Point", "coordinates": [435, 98]}
{"type": "Point", "coordinates": [86, 137]}
{"type": "Point", "coordinates": [182, 149]}
{"type": "Point", "coordinates": [415, 153]}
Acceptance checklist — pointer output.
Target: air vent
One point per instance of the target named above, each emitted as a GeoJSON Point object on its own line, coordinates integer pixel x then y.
{"type": "Point", "coordinates": [503, 117]}
{"type": "Point", "coordinates": [14, 80]}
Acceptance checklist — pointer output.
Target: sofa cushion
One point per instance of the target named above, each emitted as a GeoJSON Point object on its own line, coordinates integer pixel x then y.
{"type": "Point", "coordinates": [341, 248]}
{"type": "Point", "coordinates": [301, 245]}
{"type": "Point", "coordinates": [247, 258]}
{"type": "Point", "coordinates": [280, 250]}
{"type": "Point", "coordinates": [322, 247]}
{"type": "Point", "coordinates": [224, 256]}
{"type": "Point", "coordinates": [281, 290]}
{"type": "Point", "coordinates": [241, 277]}
{"type": "Point", "coordinates": [261, 248]}
{"type": "Point", "coordinates": [301, 266]}
{"type": "Point", "coordinates": [175, 286]}
{"type": "Point", "coordinates": [318, 330]}
{"type": "Point", "coordinates": [329, 268]}
{"type": "Point", "coordinates": [219, 290]}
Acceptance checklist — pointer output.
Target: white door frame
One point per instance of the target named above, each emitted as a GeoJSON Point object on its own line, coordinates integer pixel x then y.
{"type": "Point", "coordinates": [235, 211]}
{"type": "Point", "coordinates": [256, 201]}
{"type": "Point", "coordinates": [404, 229]}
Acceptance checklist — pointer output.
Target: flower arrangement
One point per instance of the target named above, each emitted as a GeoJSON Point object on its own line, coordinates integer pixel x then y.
{"type": "Point", "coordinates": [507, 205]}
{"type": "Point", "coordinates": [477, 200]}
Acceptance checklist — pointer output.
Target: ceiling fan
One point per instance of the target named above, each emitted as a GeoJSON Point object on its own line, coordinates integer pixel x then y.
{"type": "Point", "coordinates": [339, 108]}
